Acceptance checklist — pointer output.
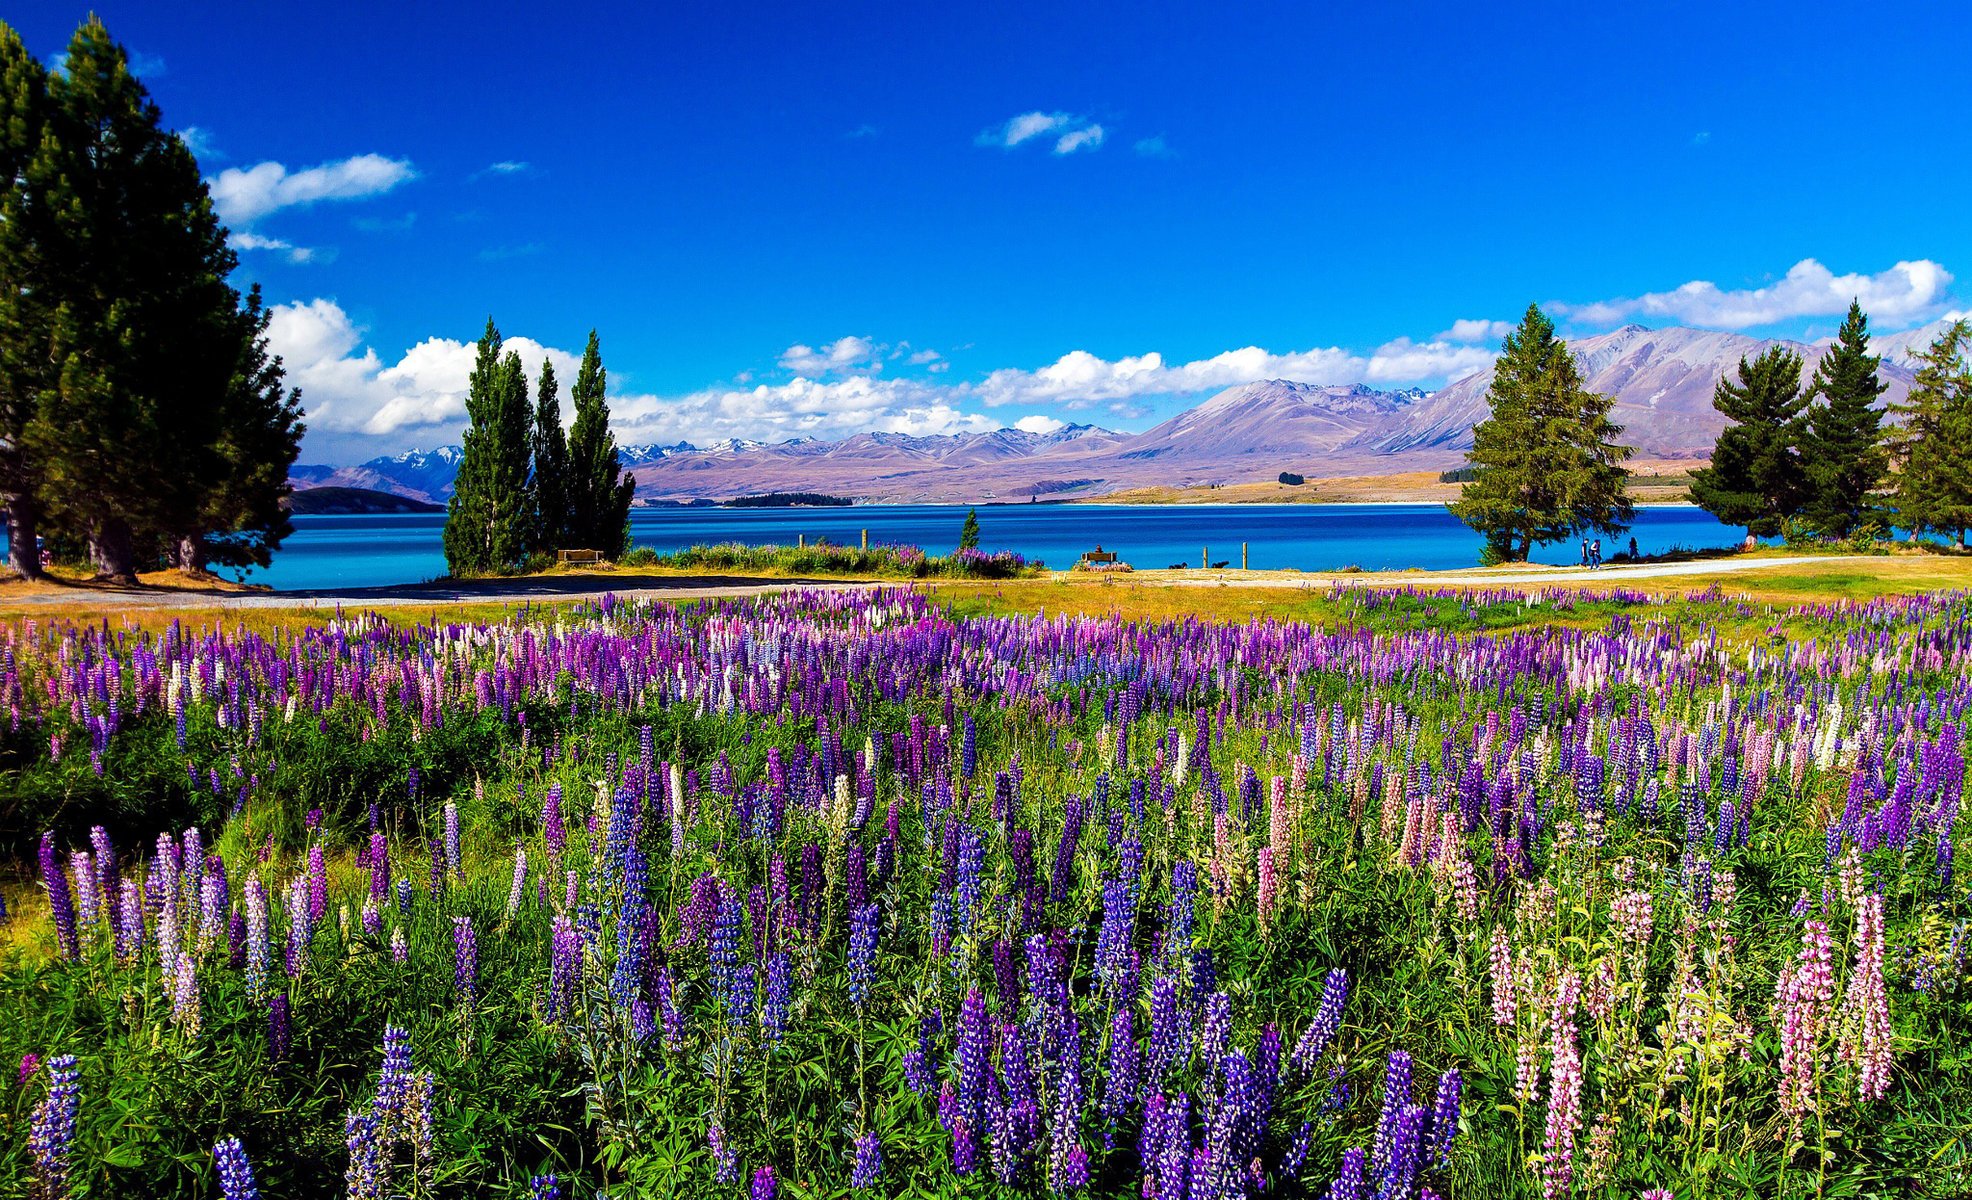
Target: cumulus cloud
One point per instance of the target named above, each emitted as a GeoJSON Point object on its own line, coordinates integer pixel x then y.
{"type": "Point", "coordinates": [1907, 291]}
{"type": "Point", "coordinates": [244, 195]}
{"type": "Point", "coordinates": [1039, 423]}
{"type": "Point", "coordinates": [1080, 379]}
{"type": "Point", "coordinates": [348, 389]}
{"type": "Point", "coordinates": [1473, 330]}
{"type": "Point", "coordinates": [838, 356]}
{"type": "Point", "coordinates": [1069, 131]}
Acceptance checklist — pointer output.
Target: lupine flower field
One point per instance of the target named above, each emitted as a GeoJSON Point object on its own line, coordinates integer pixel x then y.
{"type": "Point", "coordinates": [842, 893]}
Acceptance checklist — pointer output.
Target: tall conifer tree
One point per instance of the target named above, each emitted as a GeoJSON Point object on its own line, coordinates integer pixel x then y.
{"type": "Point", "coordinates": [488, 520]}
{"type": "Point", "coordinates": [1756, 478]}
{"type": "Point", "coordinates": [1843, 451]}
{"type": "Point", "coordinates": [145, 334]}
{"type": "Point", "coordinates": [550, 480]}
{"type": "Point", "coordinates": [599, 492]}
{"type": "Point", "coordinates": [1930, 447]}
{"type": "Point", "coordinates": [25, 315]}
{"type": "Point", "coordinates": [1547, 464]}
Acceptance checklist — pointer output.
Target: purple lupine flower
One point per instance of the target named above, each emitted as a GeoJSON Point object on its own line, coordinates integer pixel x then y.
{"type": "Point", "coordinates": [1174, 1149]}
{"type": "Point", "coordinates": [1113, 940]}
{"type": "Point", "coordinates": [1445, 1116]}
{"type": "Point", "coordinates": [862, 954]}
{"type": "Point", "coordinates": [1322, 1030]}
{"type": "Point", "coordinates": [774, 1010]}
{"type": "Point", "coordinates": [1121, 1083]}
{"type": "Point", "coordinates": [725, 1156]}
{"type": "Point", "coordinates": [1215, 1031]}
{"type": "Point", "coordinates": [465, 973]}
{"type": "Point", "coordinates": [61, 902]}
{"type": "Point", "coordinates": [564, 970]}
{"type": "Point", "coordinates": [763, 1183]}
{"type": "Point", "coordinates": [1396, 1098]}
{"type": "Point", "coordinates": [869, 1162]}
{"type": "Point", "coordinates": [452, 840]}
{"type": "Point", "coordinates": [733, 982]}
{"type": "Point", "coordinates": [1398, 1178]}
{"type": "Point", "coordinates": [369, 1166]}
{"type": "Point", "coordinates": [1297, 1152]}
{"type": "Point", "coordinates": [667, 1010]}
{"type": "Point", "coordinates": [280, 1027]}
{"type": "Point", "coordinates": [974, 1050]}
{"type": "Point", "coordinates": [1169, 1047]}
{"type": "Point", "coordinates": [1353, 1181]}
{"type": "Point", "coordinates": [544, 1187]}
{"type": "Point", "coordinates": [51, 1134]}
{"type": "Point", "coordinates": [235, 1172]}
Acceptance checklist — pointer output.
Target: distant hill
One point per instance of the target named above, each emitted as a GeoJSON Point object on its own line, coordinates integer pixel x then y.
{"type": "Point", "coordinates": [345, 501]}
{"type": "Point", "coordinates": [1662, 380]}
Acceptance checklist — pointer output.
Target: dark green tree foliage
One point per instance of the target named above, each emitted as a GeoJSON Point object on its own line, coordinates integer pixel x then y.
{"type": "Point", "coordinates": [145, 329]}
{"type": "Point", "coordinates": [1756, 478]}
{"type": "Point", "coordinates": [1546, 464]}
{"type": "Point", "coordinates": [549, 485]}
{"type": "Point", "coordinates": [24, 314]}
{"type": "Point", "coordinates": [139, 411]}
{"type": "Point", "coordinates": [1931, 445]}
{"type": "Point", "coordinates": [599, 493]}
{"type": "Point", "coordinates": [241, 514]}
{"type": "Point", "coordinates": [1843, 451]}
{"type": "Point", "coordinates": [969, 532]}
{"type": "Point", "coordinates": [489, 520]}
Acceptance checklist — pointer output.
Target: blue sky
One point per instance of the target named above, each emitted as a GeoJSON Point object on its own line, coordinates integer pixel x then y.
{"type": "Point", "coordinates": [1007, 213]}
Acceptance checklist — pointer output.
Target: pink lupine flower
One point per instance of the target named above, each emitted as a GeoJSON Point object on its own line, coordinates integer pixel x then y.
{"type": "Point", "coordinates": [1505, 1009]}
{"type": "Point", "coordinates": [1269, 900]}
{"type": "Point", "coordinates": [1564, 1107]}
{"type": "Point", "coordinates": [1804, 996]}
{"type": "Point", "coordinates": [1866, 1017]}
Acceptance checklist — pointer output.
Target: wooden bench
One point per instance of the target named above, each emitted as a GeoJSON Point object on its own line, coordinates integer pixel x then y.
{"type": "Point", "coordinates": [578, 558]}
{"type": "Point", "coordinates": [1099, 555]}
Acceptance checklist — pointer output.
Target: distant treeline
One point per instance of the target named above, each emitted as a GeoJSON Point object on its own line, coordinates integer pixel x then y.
{"type": "Point", "coordinates": [790, 500]}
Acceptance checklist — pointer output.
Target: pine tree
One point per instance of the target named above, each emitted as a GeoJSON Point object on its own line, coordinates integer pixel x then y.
{"type": "Point", "coordinates": [1756, 478]}
{"type": "Point", "coordinates": [549, 486]}
{"type": "Point", "coordinates": [1932, 441]}
{"type": "Point", "coordinates": [25, 317]}
{"type": "Point", "coordinates": [488, 522]}
{"type": "Point", "coordinates": [144, 335]}
{"type": "Point", "coordinates": [1546, 465]}
{"type": "Point", "coordinates": [969, 532]}
{"type": "Point", "coordinates": [599, 492]}
{"type": "Point", "coordinates": [1843, 451]}
{"type": "Point", "coordinates": [240, 514]}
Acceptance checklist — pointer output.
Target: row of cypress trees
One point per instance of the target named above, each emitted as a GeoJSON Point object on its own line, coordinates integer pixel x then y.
{"type": "Point", "coordinates": [142, 421]}
{"type": "Point", "coordinates": [1818, 458]}
{"type": "Point", "coordinates": [523, 486]}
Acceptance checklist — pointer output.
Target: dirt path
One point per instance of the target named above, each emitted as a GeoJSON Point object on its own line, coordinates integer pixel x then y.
{"type": "Point", "coordinates": [698, 587]}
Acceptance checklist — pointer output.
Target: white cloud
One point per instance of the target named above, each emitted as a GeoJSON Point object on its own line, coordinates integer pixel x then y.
{"type": "Point", "coordinates": [244, 195]}
{"type": "Point", "coordinates": [1080, 379]}
{"type": "Point", "coordinates": [1472, 330]}
{"type": "Point", "coordinates": [836, 357]}
{"type": "Point", "coordinates": [1907, 291]}
{"type": "Point", "coordinates": [199, 142]}
{"type": "Point", "coordinates": [348, 389]}
{"type": "Point", "coordinates": [509, 167]}
{"type": "Point", "coordinates": [1040, 424]}
{"type": "Point", "coordinates": [1079, 139]}
{"type": "Point", "coordinates": [1070, 132]}
{"type": "Point", "coordinates": [246, 239]}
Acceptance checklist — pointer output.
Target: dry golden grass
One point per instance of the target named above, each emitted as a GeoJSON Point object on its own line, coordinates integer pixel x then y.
{"type": "Point", "coordinates": [1650, 483]}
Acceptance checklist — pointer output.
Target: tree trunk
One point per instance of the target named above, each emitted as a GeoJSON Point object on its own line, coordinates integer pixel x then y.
{"type": "Point", "coordinates": [23, 537]}
{"type": "Point", "coordinates": [116, 560]}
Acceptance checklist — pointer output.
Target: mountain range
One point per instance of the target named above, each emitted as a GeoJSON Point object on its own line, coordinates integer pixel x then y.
{"type": "Point", "coordinates": [1662, 381]}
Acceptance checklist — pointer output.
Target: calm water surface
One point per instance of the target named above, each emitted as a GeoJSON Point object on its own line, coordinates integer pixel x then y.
{"type": "Point", "coordinates": [365, 551]}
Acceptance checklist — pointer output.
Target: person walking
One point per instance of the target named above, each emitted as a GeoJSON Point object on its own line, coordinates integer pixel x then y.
{"type": "Point", "coordinates": [1585, 552]}
{"type": "Point", "coordinates": [1595, 555]}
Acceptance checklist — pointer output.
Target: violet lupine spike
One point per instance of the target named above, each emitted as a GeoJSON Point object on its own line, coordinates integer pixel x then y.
{"type": "Point", "coordinates": [51, 1131]}
{"type": "Point", "coordinates": [1321, 1031]}
{"type": "Point", "coordinates": [236, 1182]}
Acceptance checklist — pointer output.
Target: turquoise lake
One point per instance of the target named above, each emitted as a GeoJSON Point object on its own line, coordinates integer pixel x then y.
{"type": "Point", "coordinates": [369, 551]}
